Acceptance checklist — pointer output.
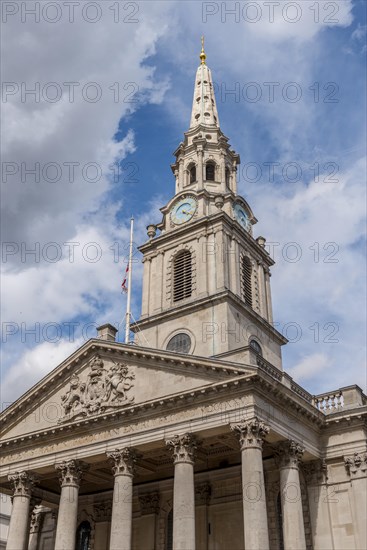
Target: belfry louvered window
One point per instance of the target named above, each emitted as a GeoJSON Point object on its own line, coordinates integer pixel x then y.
{"type": "Point", "coordinates": [182, 276]}
{"type": "Point", "coordinates": [246, 276]}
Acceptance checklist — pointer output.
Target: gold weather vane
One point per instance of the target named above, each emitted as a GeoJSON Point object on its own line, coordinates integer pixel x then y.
{"type": "Point", "coordinates": [202, 54]}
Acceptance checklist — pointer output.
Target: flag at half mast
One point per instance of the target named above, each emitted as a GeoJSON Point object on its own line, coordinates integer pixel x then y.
{"type": "Point", "coordinates": [124, 282]}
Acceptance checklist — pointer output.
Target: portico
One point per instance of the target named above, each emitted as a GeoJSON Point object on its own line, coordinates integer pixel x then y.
{"type": "Point", "coordinates": [158, 472]}
{"type": "Point", "coordinates": [181, 491]}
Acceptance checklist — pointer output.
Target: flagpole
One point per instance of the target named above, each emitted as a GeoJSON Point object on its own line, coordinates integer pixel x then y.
{"type": "Point", "coordinates": [128, 305]}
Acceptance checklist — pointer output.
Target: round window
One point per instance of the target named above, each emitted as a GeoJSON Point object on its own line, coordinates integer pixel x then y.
{"type": "Point", "coordinates": [181, 343]}
{"type": "Point", "coordinates": [256, 347]}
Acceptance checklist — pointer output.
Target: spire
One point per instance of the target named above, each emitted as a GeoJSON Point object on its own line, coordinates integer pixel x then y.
{"type": "Point", "coordinates": [204, 108]}
{"type": "Point", "coordinates": [202, 54]}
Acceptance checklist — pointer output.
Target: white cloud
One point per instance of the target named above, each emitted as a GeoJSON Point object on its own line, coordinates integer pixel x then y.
{"type": "Point", "coordinates": [324, 290]}
{"type": "Point", "coordinates": [73, 129]}
{"type": "Point", "coordinates": [310, 366]}
{"type": "Point", "coordinates": [33, 365]}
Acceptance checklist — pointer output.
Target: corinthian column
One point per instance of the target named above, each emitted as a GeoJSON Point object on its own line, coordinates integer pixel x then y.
{"type": "Point", "coordinates": [356, 466]}
{"type": "Point", "coordinates": [183, 449]}
{"type": "Point", "coordinates": [122, 507]}
{"type": "Point", "coordinates": [251, 434]}
{"type": "Point", "coordinates": [289, 454]}
{"type": "Point", "coordinates": [19, 519]}
{"type": "Point", "coordinates": [70, 473]}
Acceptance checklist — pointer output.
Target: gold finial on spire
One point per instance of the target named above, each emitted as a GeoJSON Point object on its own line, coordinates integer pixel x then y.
{"type": "Point", "coordinates": [202, 54]}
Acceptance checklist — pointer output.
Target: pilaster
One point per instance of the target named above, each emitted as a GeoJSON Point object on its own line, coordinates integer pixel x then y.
{"type": "Point", "coordinates": [356, 467]}
{"type": "Point", "coordinates": [37, 518]}
{"type": "Point", "coordinates": [203, 493]}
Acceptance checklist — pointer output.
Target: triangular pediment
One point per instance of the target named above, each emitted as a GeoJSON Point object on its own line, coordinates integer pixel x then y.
{"type": "Point", "coordinates": [106, 377]}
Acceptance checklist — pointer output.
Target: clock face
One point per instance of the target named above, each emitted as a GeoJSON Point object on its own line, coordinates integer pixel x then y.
{"type": "Point", "coordinates": [183, 210]}
{"type": "Point", "coordinates": [241, 216]}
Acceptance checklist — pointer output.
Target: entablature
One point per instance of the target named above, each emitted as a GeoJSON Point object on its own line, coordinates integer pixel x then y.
{"type": "Point", "coordinates": [201, 227]}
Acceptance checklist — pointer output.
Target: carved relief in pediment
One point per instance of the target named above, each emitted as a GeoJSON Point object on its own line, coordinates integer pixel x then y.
{"type": "Point", "coordinates": [101, 389]}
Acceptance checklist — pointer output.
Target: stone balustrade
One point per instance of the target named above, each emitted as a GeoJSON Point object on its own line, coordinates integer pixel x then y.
{"type": "Point", "coordinates": [346, 398]}
{"type": "Point", "coordinates": [329, 402]}
{"type": "Point", "coordinates": [333, 401]}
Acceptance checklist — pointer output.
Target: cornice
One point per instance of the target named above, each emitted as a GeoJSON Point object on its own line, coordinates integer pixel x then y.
{"type": "Point", "coordinates": [259, 382]}
{"type": "Point", "coordinates": [229, 224]}
{"type": "Point", "coordinates": [143, 410]}
{"type": "Point", "coordinates": [199, 303]}
{"type": "Point", "coordinates": [343, 419]}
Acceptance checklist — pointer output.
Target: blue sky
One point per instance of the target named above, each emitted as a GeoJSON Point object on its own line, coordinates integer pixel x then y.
{"type": "Point", "coordinates": [317, 299]}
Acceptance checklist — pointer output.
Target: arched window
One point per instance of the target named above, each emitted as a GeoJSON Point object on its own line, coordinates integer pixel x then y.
{"type": "Point", "coordinates": [182, 276]}
{"type": "Point", "coordinates": [193, 174]}
{"type": "Point", "coordinates": [169, 531]}
{"type": "Point", "coordinates": [210, 171]}
{"type": "Point", "coordinates": [246, 283]}
{"type": "Point", "coordinates": [228, 176]}
{"type": "Point", "coordinates": [83, 536]}
{"type": "Point", "coordinates": [256, 347]}
{"type": "Point", "coordinates": [181, 343]}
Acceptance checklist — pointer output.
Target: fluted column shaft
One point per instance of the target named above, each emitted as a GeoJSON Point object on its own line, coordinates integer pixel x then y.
{"type": "Point", "coordinates": [289, 455]}
{"type": "Point", "coordinates": [251, 434]}
{"type": "Point", "coordinates": [122, 505]}
{"type": "Point", "coordinates": [183, 449]}
{"type": "Point", "coordinates": [70, 473]}
{"type": "Point", "coordinates": [19, 519]}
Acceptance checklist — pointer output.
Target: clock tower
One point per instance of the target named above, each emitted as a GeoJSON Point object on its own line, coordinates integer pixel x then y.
{"type": "Point", "coordinates": [206, 283]}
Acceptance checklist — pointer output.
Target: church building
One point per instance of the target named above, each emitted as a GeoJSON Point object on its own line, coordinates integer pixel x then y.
{"type": "Point", "coordinates": [193, 437]}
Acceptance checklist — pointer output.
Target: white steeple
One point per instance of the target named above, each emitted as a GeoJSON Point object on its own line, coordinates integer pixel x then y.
{"type": "Point", "coordinates": [204, 108]}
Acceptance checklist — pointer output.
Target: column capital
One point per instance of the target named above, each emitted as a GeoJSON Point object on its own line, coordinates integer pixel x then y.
{"type": "Point", "coordinates": [183, 448]}
{"type": "Point", "coordinates": [70, 472]}
{"type": "Point", "coordinates": [289, 454]}
{"type": "Point", "coordinates": [149, 503]}
{"type": "Point", "coordinates": [315, 471]}
{"type": "Point", "coordinates": [356, 465]}
{"type": "Point", "coordinates": [103, 511]}
{"type": "Point", "coordinates": [203, 492]}
{"type": "Point", "coordinates": [37, 518]}
{"type": "Point", "coordinates": [124, 461]}
{"type": "Point", "coordinates": [251, 433]}
{"type": "Point", "coordinates": [22, 483]}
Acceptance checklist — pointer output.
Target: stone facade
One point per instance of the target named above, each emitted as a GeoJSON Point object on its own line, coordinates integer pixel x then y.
{"type": "Point", "coordinates": [137, 447]}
